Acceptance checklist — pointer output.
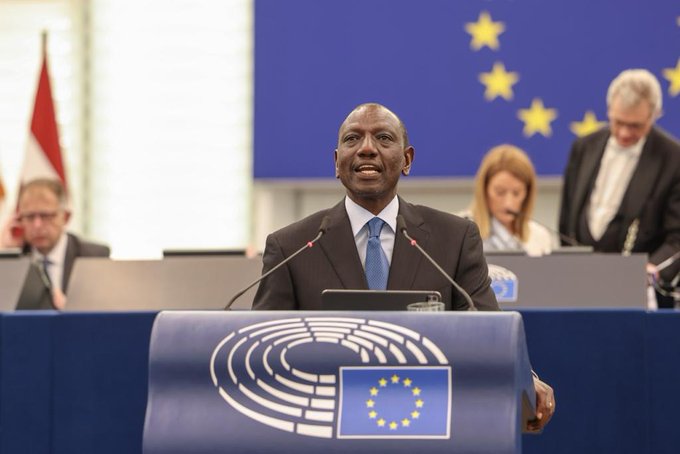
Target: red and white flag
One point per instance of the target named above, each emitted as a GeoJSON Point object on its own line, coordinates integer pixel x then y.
{"type": "Point", "coordinates": [2, 190]}
{"type": "Point", "coordinates": [43, 154]}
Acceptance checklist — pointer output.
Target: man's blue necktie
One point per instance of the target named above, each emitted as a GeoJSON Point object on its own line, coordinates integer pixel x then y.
{"type": "Point", "coordinates": [377, 267]}
{"type": "Point", "coordinates": [45, 264]}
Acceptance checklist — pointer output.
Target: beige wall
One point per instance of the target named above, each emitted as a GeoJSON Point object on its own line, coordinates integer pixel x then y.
{"type": "Point", "coordinates": [279, 203]}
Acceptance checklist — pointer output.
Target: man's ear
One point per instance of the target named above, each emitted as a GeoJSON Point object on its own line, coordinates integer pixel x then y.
{"type": "Point", "coordinates": [335, 160]}
{"type": "Point", "coordinates": [67, 216]}
{"type": "Point", "coordinates": [408, 160]}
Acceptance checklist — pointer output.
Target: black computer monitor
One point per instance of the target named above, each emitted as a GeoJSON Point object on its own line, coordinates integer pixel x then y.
{"type": "Point", "coordinates": [375, 300]}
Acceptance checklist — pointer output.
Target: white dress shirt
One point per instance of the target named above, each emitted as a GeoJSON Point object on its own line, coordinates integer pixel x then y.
{"type": "Point", "coordinates": [359, 216]}
{"type": "Point", "coordinates": [540, 241]}
{"type": "Point", "coordinates": [616, 170]}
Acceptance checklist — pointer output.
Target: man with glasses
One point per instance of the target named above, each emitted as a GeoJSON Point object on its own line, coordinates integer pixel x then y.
{"type": "Point", "coordinates": [42, 217]}
{"type": "Point", "coordinates": [621, 188]}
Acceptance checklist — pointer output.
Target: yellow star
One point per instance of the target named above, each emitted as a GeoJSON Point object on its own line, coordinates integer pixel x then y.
{"type": "Point", "coordinates": [405, 422]}
{"type": "Point", "coordinates": [416, 391]}
{"type": "Point", "coordinates": [673, 76]}
{"type": "Point", "coordinates": [381, 422]}
{"type": "Point", "coordinates": [419, 403]}
{"type": "Point", "coordinates": [537, 118]}
{"type": "Point", "coordinates": [372, 414]}
{"type": "Point", "coordinates": [415, 414]}
{"type": "Point", "coordinates": [498, 82]}
{"type": "Point", "coordinates": [588, 125]}
{"type": "Point", "coordinates": [393, 425]}
{"type": "Point", "coordinates": [382, 382]}
{"type": "Point", "coordinates": [395, 378]}
{"type": "Point", "coordinates": [407, 382]}
{"type": "Point", "coordinates": [374, 391]}
{"type": "Point", "coordinates": [484, 32]}
{"type": "Point", "coordinates": [370, 403]}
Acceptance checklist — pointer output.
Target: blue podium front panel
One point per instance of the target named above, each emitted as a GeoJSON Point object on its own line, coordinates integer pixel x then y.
{"type": "Point", "coordinates": [360, 382]}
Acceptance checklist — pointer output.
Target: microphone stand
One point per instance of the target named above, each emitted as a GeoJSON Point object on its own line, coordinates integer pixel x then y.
{"type": "Point", "coordinates": [401, 226]}
{"type": "Point", "coordinates": [322, 230]}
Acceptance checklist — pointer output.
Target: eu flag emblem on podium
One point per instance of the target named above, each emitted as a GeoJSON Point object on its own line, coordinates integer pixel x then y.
{"type": "Point", "coordinates": [395, 402]}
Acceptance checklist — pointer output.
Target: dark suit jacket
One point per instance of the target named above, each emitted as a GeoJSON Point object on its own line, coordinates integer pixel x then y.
{"type": "Point", "coordinates": [334, 261]}
{"type": "Point", "coordinates": [653, 194]}
{"type": "Point", "coordinates": [80, 248]}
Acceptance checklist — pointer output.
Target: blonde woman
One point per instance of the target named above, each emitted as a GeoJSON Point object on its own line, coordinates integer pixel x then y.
{"type": "Point", "coordinates": [505, 192]}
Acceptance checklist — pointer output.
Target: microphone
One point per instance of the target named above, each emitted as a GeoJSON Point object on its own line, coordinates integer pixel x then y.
{"type": "Point", "coordinates": [323, 227]}
{"type": "Point", "coordinates": [566, 238]}
{"type": "Point", "coordinates": [401, 227]}
{"type": "Point", "coordinates": [668, 262]}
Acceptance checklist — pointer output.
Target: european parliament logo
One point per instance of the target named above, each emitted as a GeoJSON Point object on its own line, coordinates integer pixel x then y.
{"type": "Point", "coordinates": [503, 283]}
{"type": "Point", "coordinates": [336, 377]}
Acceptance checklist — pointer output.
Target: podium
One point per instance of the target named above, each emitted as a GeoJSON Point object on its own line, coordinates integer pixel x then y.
{"type": "Point", "coordinates": [337, 382]}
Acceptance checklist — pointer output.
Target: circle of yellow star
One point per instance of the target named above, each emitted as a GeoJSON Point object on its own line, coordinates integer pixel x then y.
{"type": "Point", "coordinates": [372, 414]}
{"type": "Point", "coordinates": [382, 382]}
{"type": "Point", "coordinates": [395, 378]}
{"type": "Point", "coordinates": [407, 382]}
{"type": "Point", "coordinates": [484, 32]}
{"type": "Point", "coordinates": [381, 422]}
{"type": "Point", "coordinates": [419, 403]}
{"type": "Point", "coordinates": [374, 391]}
{"type": "Point", "coordinates": [537, 118]}
{"type": "Point", "coordinates": [588, 125]}
{"type": "Point", "coordinates": [415, 414]}
{"type": "Point", "coordinates": [416, 391]}
{"type": "Point", "coordinates": [498, 82]}
{"type": "Point", "coordinates": [673, 76]}
{"type": "Point", "coordinates": [405, 422]}
{"type": "Point", "coordinates": [370, 403]}
{"type": "Point", "coordinates": [393, 425]}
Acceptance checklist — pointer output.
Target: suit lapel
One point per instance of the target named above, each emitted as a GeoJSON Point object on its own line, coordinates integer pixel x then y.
{"type": "Point", "coordinates": [69, 259]}
{"type": "Point", "coordinates": [586, 179]}
{"type": "Point", "coordinates": [406, 259]}
{"type": "Point", "coordinates": [341, 251]}
{"type": "Point", "coordinates": [643, 180]}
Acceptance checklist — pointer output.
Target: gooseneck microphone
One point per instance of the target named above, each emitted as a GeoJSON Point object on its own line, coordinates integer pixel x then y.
{"type": "Point", "coordinates": [401, 227]}
{"type": "Point", "coordinates": [566, 238]}
{"type": "Point", "coordinates": [323, 227]}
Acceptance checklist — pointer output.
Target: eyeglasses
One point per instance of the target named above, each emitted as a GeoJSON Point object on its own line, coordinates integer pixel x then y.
{"type": "Point", "coordinates": [633, 127]}
{"type": "Point", "coordinates": [44, 216]}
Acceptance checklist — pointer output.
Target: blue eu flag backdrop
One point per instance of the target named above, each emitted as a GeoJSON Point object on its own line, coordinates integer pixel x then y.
{"type": "Point", "coordinates": [464, 75]}
{"type": "Point", "coordinates": [393, 402]}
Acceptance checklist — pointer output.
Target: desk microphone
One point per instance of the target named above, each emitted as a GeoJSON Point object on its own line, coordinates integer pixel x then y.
{"type": "Point", "coordinates": [566, 238]}
{"type": "Point", "coordinates": [401, 227]}
{"type": "Point", "coordinates": [323, 227]}
{"type": "Point", "coordinates": [668, 262]}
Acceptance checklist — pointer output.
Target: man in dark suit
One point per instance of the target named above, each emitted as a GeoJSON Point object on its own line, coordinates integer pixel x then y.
{"type": "Point", "coordinates": [622, 184]}
{"type": "Point", "coordinates": [373, 151]}
{"type": "Point", "coordinates": [42, 216]}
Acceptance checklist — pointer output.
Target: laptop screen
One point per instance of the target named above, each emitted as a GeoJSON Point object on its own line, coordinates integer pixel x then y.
{"type": "Point", "coordinates": [375, 300]}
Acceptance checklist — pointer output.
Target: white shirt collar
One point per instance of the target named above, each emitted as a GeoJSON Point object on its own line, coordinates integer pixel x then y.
{"type": "Point", "coordinates": [58, 253]}
{"type": "Point", "coordinates": [634, 150]}
{"type": "Point", "coordinates": [359, 216]}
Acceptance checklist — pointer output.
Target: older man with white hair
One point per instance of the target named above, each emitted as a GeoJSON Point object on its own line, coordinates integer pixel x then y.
{"type": "Point", "coordinates": [622, 184]}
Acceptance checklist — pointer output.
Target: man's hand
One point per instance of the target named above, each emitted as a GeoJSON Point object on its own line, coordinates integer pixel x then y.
{"type": "Point", "coordinates": [545, 406]}
{"type": "Point", "coordinates": [58, 299]}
